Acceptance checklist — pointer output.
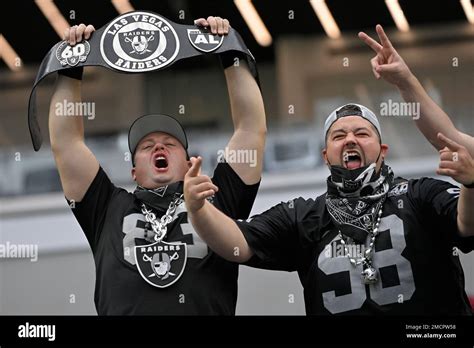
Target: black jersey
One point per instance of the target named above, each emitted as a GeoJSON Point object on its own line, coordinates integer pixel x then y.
{"type": "Point", "coordinates": [415, 253]}
{"type": "Point", "coordinates": [113, 223]}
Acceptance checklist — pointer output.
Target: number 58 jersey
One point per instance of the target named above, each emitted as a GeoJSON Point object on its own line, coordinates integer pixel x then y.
{"type": "Point", "coordinates": [415, 253]}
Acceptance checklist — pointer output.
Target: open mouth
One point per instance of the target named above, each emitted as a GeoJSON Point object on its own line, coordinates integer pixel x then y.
{"type": "Point", "coordinates": [161, 163]}
{"type": "Point", "coordinates": [352, 159]}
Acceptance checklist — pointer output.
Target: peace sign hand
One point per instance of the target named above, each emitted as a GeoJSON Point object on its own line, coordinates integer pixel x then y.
{"type": "Point", "coordinates": [387, 63]}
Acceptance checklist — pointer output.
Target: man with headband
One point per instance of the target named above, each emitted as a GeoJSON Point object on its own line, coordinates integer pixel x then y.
{"type": "Point", "coordinates": [148, 258]}
{"type": "Point", "coordinates": [373, 243]}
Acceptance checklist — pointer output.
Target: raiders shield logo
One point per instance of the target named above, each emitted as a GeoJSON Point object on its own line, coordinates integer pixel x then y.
{"type": "Point", "coordinates": [72, 55]}
{"type": "Point", "coordinates": [204, 41]}
{"type": "Point", "coordinates": [161, 264]}
{"type": "Point", "coordinates": [139, 41]}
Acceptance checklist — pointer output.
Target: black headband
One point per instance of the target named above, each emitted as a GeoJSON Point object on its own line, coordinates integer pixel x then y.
{"type": "Point", "coordinates": [134, 42]}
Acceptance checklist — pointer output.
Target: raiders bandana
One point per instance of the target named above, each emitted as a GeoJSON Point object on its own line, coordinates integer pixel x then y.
{"type": "Point", "coordinates": [354, 203]}
{"type": "Point", "coordinates": [159, 198]}
{"type": "Point", "coordinates": [135, 42]}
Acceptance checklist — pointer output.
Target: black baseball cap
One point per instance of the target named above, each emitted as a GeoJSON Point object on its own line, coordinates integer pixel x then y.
{"type": "Point", "coordinates": [147, 124]}
{"type": "Point", "coordinates": [355, 110]}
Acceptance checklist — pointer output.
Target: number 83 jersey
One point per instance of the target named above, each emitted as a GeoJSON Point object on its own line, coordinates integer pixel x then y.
{"type": "Point", "coordinates": [415, 253]}
{"type": "Point", "coordinates": [129, 266]}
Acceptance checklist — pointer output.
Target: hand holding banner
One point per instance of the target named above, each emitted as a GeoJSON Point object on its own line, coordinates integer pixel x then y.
{"type": "Point", "coordinates": [135, 42]}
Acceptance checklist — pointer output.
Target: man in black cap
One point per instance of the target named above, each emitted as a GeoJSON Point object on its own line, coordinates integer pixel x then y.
{"type": "Point", "coordinates": [148, 258]}
{"type": "Point", "coordinates": [373, 243]}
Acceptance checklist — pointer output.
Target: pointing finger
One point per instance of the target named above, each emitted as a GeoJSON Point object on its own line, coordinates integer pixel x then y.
{"type": "Point", "coordinates": [195, 169]}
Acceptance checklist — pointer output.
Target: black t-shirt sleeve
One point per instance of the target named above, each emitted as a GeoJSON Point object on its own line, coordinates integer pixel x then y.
{"type": "Point", "coordinates": [273, 238]}
{"type": "Point", "coordinates": [90, 211]}
{"type": "Point", "coordinates": [234, 198]}
{"type": "Point", "coordinates": [438, 201]}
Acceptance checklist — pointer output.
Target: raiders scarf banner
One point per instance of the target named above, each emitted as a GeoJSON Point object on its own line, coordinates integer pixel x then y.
{"type": "Point", "coordinates": [134, 42]}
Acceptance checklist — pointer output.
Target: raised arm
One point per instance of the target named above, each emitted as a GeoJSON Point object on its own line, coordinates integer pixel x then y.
{"type": "Point", "coordinates": [215, 228]}
{"type": "Point", "coordinates": [76, 164]}
{"type": "Point", "coordinates": [248, 113]}
{"type": "Point", "coordinates": [390, 66]}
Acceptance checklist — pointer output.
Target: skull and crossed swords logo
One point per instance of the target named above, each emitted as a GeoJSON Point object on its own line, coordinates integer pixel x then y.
{"type": "Point", "coordinates": [161, 264]}
{"type": "Point", "coordinates": [166, 261]}
{"type": "Point", "coordinates": [140, 43]}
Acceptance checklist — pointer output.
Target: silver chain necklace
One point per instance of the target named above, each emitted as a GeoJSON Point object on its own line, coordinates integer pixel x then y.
{"type": "Point", "coordinates": [159, 227]}
{"type": "Point", "coordinates": [369, 273]}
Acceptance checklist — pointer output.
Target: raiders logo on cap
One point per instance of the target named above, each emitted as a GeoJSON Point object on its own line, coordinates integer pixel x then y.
{"type": "Point", "coordinates": [204, 41]}
{"type": "Point", "coordinates": [139, 41]}
{"type": "Point", "coordinates": [161, 264]}
{"type": "Point", "coordinates": [72, 55]}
